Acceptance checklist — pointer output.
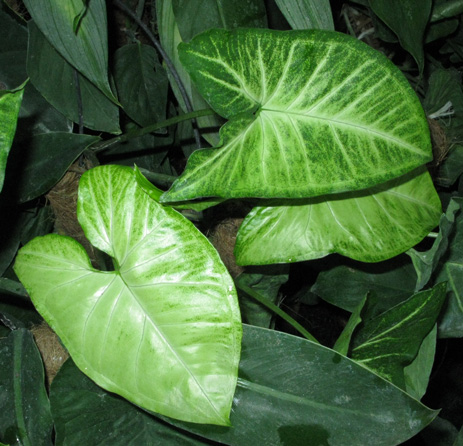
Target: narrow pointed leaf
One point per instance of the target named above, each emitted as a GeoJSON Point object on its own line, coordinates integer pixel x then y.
{"type": "Point", "coordinates": [10, 102]}
{"type": "Point", "coordinates": [163, 330]}
{"type": "Point", "coordinates": [390, 341]}
{"type": "Point", "coordinates": [25, 417]}
{"type": "Point", "coordinates": [311, 112]}
{"type": "Point", "coordinates": [370, 226]}
{"type": "Point", "coordinates": [307, 14]}
{"type": "Point", "coordinates": [86, 50]}
{"type": "Point", "coordinates": [55, 78]}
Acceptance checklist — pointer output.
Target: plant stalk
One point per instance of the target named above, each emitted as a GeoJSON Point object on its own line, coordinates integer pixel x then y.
{"type": "Point", "coordinates": [276, 310]}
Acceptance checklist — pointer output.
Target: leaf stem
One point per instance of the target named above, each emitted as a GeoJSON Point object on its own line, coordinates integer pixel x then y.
{"type": "Point", "coordinates": [151, 128]}
{"type": "Point", "coordinates": [275, 309]}
{"type": "Point", "coordinates": [167, 61]}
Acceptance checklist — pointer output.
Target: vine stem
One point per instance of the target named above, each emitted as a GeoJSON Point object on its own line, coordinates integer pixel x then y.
{"type": "Point", "coordinates": [151, 128]}
{"type": "Point", "coordinates": [167, 61]}
{"type": "Point", "coordinates": [248, 290]}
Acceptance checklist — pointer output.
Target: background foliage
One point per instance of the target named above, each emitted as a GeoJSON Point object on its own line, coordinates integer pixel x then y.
{"type": "Point", "coordinates": [90, 87]}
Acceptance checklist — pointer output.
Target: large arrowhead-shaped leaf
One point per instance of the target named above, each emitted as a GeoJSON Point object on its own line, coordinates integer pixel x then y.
{"type": "Point", "coordinates": [163, 329]}
{"type": "Point", "coordinates": [370, 225]}
{"type": "Point", "coordinates": [311, 112]}
{"type": "Point", "coordinates": [85, 48]}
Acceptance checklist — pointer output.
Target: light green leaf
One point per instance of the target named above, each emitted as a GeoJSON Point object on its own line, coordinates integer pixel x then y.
{"type": "Point", "coordinates": [88, 49]}
{"type": "Point", "coordinates": [54, 77]}
{"type": "Point", "coordinates": [389, 342]}
{"type": "Point", "coordinates": [408, 19]}
{"type": "Point", "coordinates": [141, 83]}
{"type": "Point", "coordinates": [10, 103]}
{"type": "Point", "coordinates": [163, 330]}
{"type": "Point", "coordinates": [293, 392]}
{"type": "Point", "coordinates": [25, 417]}
{"type": "Point", "coordinates": [307, 14]}
{"type": "Point", "coordinates": [370, 226]}
{"type": "Point", "coordinates": [311, 113]}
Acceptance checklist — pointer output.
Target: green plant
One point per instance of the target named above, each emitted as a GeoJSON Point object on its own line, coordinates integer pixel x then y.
{"type": "Point", "coordinates": [322, 148]}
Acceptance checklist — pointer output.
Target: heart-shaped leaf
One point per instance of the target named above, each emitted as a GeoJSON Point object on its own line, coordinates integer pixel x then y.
{"type": "Point", "coordinates": [311, 112]}
{"type": "Point", "coordinates": [369, 226]}
{"type": "Point", "coordinates": [163, 329]}
{"type": "Point", "coordinates": [85, 48]}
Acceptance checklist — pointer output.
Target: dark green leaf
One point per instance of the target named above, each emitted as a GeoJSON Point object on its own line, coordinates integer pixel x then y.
{"type": "Point", "coordinates": [370, 225]}
{"type": "Point", "coordinates": [408, 19]}
{"type": "Point", "coordinates": [55, 78]}
{"type": "Point", "coordinates": [343, 342]}
{"type": "Point", "coordinates": [345, 286]}
{"type": "Point", "coordinates": [426, 262]}
{"type": "Point", "coordinates": [141, 83]}
{"type": "Point", "coordinates": [196, 16]}
{"type": "Point", "coordinates": [294, 392]}
{"type": "Point", "coordinates": [316, 114]}
{"type": "Point", "coordinates": [10, 102]}
{"type": "Point", "coordinates": [36, 115]}
{"type": "Point", "coordinates": [390, 341]}
{"type": "Point", "coordinates": [451, 270]}
{"type": "Point", "coordinates": [441, 29]}
{"type": "Point", "coordinates": [9, 286]}
{"type": "Point", "coordinates": [88, 49]}
{"type": "Point", "coordinates": [307, 14]}
{"type": "Point", "coordinates": [85, 414]}
{"type": "Point", "coordinates": [266, 281]}
{"type": "Point", "coordinates": [45, 159]}
{"type": "Point", "coordinates": [418, 372]}
{"type": "Point", "coordinates": [25, 418]}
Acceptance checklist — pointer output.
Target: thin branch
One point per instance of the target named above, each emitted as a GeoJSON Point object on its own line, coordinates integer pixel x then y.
{"type": "Point", "coordinates": [168, 62]}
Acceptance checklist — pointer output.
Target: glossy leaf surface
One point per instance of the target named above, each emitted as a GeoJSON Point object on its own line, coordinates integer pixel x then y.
{"type": "Point", "coordinates": [370, 225]}
{"type": "Point", "coordinates": [163, 329]}
{"type": "Point", "coordinates": [311, 112]}
{"type": "Point", "coordinates": [390, 341]}
{"type": "Point", "coordinates": [87, 49]}
{"type": "Point", "coordinates": [294, 392]}
{"type": "Point", "coordinates": [10, 102]}
{"type": "Point", "coordinates": [25, 417]}
{"type": "Point", "coordinates": [55, 78]}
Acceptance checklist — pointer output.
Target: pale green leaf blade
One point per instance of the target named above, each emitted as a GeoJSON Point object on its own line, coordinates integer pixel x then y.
{"type": "Point", "coordinates": [10, 103]}
{"type": "Point", "coordinates": [311, 112]}
{"type": "Point", "coordinates": [307, 14]}
{"type": "Point", "coordinates": [55, 78]}
{"type": "Point", "coordinates": [163, 329]}
{"type": "Point", "coordinates": [370, 226]}
{"type": "Point", "coordinates": [86, 50]}
{"type": "Point", "coordinates": [391, 341]}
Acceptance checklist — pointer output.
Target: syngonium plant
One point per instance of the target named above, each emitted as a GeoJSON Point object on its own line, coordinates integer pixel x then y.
{"type": "Point", "coordinates": [323, 129]}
